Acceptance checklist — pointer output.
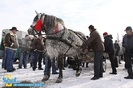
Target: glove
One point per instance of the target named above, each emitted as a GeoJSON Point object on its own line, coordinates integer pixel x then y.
{"type": "Point", "coordinates": [35, 50]}
{"type": "Point", "coordinates": [12, 44]}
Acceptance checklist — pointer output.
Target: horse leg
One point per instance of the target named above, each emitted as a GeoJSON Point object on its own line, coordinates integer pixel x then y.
{"type": "Point", "coordinates": [59, 79]}
{"type": "Point", "coordinates": [79, 69]}
{"type": "Point", "coordinates": [47, 69]}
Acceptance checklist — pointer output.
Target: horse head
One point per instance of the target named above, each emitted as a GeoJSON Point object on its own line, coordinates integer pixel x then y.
{"type": "Point", "coordinates": [36, 26]}
{"type": "Point", "coordinates": [46, 23]}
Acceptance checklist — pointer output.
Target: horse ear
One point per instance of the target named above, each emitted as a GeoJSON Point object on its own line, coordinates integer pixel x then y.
{"type": "Point", "coordinates": [36, 12]}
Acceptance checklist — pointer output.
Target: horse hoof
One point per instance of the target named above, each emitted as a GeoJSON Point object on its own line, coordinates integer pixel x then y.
{"type": "Point", "coordinates": [78, 73]}
{"type": "Point", "coordinates": [59, 80]}
{"type": "Point", "coordinates": [45, 78]}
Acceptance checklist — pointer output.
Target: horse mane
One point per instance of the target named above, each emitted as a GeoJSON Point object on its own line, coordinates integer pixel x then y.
{"type": "Point", "coordinates": [60, 21]}
{"type": "Point", "coordinates": [50, 21]}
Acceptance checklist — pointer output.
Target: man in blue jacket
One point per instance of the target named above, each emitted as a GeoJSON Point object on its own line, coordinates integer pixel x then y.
{"type": "Point", "coordinates": [109, 48]}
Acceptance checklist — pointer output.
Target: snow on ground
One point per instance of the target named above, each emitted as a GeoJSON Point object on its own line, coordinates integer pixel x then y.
{"type": "Point", "coordinates": [71, 81]}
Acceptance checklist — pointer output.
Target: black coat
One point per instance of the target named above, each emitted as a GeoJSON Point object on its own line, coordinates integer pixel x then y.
{"type": "Point", "coordinates": [117, 49]}
{"type": "Point", "coordinates": [108, 44]}
{"type": "Point", "coordinates": [128, 43]}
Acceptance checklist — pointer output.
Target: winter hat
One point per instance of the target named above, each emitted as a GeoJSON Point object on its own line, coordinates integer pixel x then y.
{"type": "Point", "coordinates": [128, 28]}
{"type": "Point", "coordinates": [91, 27]}
{"type": "Point", "coordinates": [105, 33]}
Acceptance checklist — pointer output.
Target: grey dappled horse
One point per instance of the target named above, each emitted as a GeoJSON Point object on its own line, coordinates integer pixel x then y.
{"type": "Point", "coordinates": [60, 41]}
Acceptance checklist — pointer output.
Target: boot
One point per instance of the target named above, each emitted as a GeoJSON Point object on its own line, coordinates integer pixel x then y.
{"type": "Point", "coordinates": [94, 78]}
{"type": "Point", "coordinates": [129, 77]}
{"type": "Point", "coordinates": [130, 74]}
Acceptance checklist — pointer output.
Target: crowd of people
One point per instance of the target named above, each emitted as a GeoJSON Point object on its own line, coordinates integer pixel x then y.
{"type": "Point", "coordinates": [95, 43]}
{"type": "Point", "coordinates": [33, 51]}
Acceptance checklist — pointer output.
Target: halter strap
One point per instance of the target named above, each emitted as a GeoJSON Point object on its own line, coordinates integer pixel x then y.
{"type": "Point", "coordinates": [56, 28]}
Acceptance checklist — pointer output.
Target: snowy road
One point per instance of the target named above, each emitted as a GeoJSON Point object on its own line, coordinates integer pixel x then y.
{"type": "Point", "coordinates": [71, 81]}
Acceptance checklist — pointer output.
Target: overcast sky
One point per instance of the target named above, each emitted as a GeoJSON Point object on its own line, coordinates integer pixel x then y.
{"type": "Point", "coordinates": [111, 16]}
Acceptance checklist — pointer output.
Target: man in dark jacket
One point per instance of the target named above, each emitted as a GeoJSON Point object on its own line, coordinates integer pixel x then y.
{"type": "Point", "coordinates": [109, 48]}
{"type": "Point", "coordinates": [128, 45]}
{"type": "Point", "coordinates": [95, 43]}
{"type": "Point", "coordinates": [32, 52]}
{"type": "Point", "coordinates": [117, 49]}
{"type": "Point", "coordinates": [38, 48]}
{"type": "Point", "coordinates": [11, 45]}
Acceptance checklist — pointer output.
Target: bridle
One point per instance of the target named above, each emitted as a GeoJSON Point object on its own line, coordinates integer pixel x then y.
{"type": "Point", "coordinates": [43, 27]}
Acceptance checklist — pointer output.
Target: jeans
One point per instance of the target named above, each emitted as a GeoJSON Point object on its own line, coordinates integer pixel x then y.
{"type": "Point", "coordinates": [37, 58]}
{"type": "Point", "coordinates": [31, 58]}
{"type": "Point", "coordinates": [9, 53]}
{"type": "Point", "coordinates": [53, 66]}
{"type": "Point", "coordinates": [3, 60]}
{"type": "Point", "coordinates": [98, 64]}
{"type": "Point", "coordinates": [23, 59]}
{"type": "Point", "coordinates": [48, 65]}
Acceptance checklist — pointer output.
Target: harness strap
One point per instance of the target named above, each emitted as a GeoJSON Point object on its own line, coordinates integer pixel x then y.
{"type": "Point", "coordinates": [43, 28]}
{"type": "Point", "coordinates": [68, 48]}
{"type": "Point", "coordinates": [56, 28]}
